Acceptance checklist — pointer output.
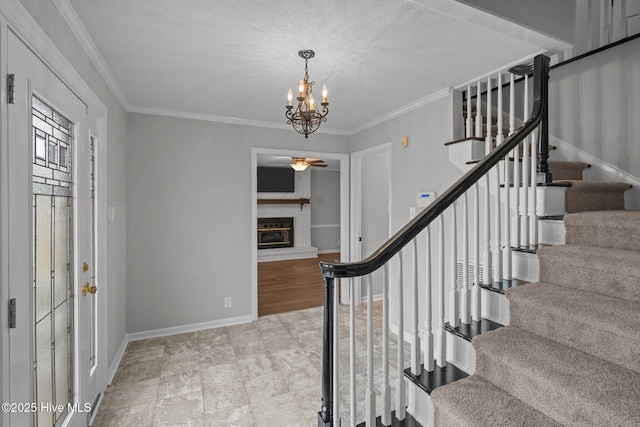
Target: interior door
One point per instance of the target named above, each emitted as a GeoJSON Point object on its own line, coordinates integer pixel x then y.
{"type": "Point", "coordinates": [371, 202]}
{"type": "Point", "coordinates": [50, 247]}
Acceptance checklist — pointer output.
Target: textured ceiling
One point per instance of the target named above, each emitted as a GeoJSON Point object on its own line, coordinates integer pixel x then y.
{"type": "Point", "coordinates": [236, 60]}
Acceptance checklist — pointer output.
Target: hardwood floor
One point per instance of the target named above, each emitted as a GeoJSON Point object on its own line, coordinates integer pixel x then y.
{"type": "Point", "coordinates": [291, 285]}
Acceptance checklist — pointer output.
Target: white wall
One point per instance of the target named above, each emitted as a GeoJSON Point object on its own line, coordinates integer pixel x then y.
{"type": "Point", "coordinates": [46, 14]}
{"type": "Point", "coordinates": [325, 209]}
{"type": "Point", "coordinates": [189, 216]}
{"type": "Point", "coordinates": [594, 105]}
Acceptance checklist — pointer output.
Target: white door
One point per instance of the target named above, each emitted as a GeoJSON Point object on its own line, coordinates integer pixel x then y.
{"type": "Point", "coordinates": [50, 248]}
{"type": "Point", "coordinates": [371, 189]}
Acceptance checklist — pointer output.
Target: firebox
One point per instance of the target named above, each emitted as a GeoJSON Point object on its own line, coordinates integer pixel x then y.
{"type": "Point", "coordinates": [275, 233]}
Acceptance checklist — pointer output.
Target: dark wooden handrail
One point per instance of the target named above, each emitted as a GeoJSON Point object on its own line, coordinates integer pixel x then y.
{"type": "Point", "coordinates": [429, 214]}
{"type": "Point", "coordinates": [334, 270]}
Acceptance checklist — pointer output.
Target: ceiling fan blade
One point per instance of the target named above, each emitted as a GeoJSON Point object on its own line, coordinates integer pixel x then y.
{"type": "Point", "coordinates": [318, 165]}
{"type": "Point", "coordinates": [312, 162]}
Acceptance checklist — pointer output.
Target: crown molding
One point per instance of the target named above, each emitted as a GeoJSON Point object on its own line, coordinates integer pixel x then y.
{"type": "Point", "coordinates": [222, 119]}
{"type": "Point", "coordinates": [442, 93]}
{"type": "Point", "coordinates": [78, 28]}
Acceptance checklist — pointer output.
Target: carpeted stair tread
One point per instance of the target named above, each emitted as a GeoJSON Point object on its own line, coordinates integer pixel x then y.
{"type": "Point", "coordinates": [563, 170]}
{"type": "Point", "coordinates": [606, 229]}
{"type": "Point", "coordinates": [475, 402]}
{"type": "Point", "coordinates": [594, 196]}
{"type": "Point", "coordinates": [605, 271]}
{"type": "Point", "coordinates": [565, 384]}
{"type": "Point", "coordinates": [608, 328]}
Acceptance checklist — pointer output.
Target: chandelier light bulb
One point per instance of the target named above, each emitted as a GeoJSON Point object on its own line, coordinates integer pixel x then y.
{"type": "Point", "coordinates": [312, 103]}
{"type": "Point", "coordinates": [301, 88]}
{"type": "Point", "coordinates": [289, 97]}
{"type": "Point", "coordinates": [325, 92]}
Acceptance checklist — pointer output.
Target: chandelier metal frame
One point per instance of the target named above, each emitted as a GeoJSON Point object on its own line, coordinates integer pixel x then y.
{"type": "Point", "coordinates": [306, 118]}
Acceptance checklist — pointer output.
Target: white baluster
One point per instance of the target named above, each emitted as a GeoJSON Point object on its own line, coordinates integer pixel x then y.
{"type": "Point", "coordinates": [469, 126]}
{"type": "Point", "coordinates": [352, 354]}
{"type": "Point", "coordinates": [479, 110]}
{"type": "Point", "coordinates": [441, 360]}
{"type": "Point", "coordinates": [371, 392]}
{"type": "Point", "coordinates": [385, 390]}
{"type": "Point", "coordinates": [488, 277]}
{"type": "Point", "coordinates": [489, 112]}
{"type": "Point", "coordinates": [415, 327]}
{"type": "Point", "coordinates": [533, 218]}
{"type": "Point", "coordinates": [524, 221]}
{"type": "Point", "coordinates": [336, 355]}
{"type": "Point", "coordinates": [497, 229]}
{"type": "Point", "coordinates": [428, 312]}
{"type": "Point", "coordinates": [507, 193]}
{"type": "Point", "coordinates": [400, 390]}
{"type": "Point", "coordinates": [454, 315]}
{"type": "Point", "coordinates": [464, 301]}
{"type": "Point", "coordinates": [475, 291]}
{"type": "Point", "coordinates": [516, 169]}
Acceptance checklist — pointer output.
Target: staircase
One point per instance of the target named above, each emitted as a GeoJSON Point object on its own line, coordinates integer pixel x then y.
{"type": "Point", "coordinates": [570, 355]}
{"type": "Point", "coordinates": [527, 315]}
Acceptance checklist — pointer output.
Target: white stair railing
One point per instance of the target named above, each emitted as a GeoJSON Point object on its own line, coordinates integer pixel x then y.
{"type": "Point", "coordinates": [451, 294]}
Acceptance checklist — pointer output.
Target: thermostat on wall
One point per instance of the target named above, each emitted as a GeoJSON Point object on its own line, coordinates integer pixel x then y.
{"type": "Point", "coordinates": [425, 198]}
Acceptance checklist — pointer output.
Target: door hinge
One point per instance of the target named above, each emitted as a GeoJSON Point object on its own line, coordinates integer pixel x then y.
{"type": "Point", "coordinates": [11, 89]}
{"type": "Point", "coordinates": [12, 313]}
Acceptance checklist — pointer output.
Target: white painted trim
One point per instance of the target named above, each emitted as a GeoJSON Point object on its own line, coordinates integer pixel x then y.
{"type": "Point", "coordinates": [329, 251]}
{"type": "Point", "coordinates": [78, 28]}
{"type": "Point", "coordinates": [326, 226]}
{"type": "Point", "coordinates": [117, 359]}
{"type": "Point", "coordinates": [220, 119]}
{"type": "Point", "coordinates": [344, 207]}
{"type": "Point", "coordinates": [163, 332]}
{"type": "Point", "coordinates": [442, 93]}
{"type": "Point", "coordinates": [474, 15]}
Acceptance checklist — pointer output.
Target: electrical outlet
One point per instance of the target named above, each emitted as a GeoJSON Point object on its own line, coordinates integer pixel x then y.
{"type": "Point", "coordinates": [227, 302]}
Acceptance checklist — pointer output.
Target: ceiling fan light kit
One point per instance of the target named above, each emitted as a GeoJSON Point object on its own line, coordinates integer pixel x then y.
{"type": "Point", "coordinates": [299, 164]}
{"type": "Point", "coordinates": [306, 118]}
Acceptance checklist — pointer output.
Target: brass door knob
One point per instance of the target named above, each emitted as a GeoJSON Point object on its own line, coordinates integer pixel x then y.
{"type": "Point", "coordinates": [88, 289]}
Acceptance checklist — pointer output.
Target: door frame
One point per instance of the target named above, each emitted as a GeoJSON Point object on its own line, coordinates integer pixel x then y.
{"type": "Point", "coordinates": [344, 207]}
{"type": "Point", "coordinates": [356, 207]}
{"type": "Point", "coordinates": [15, 18]}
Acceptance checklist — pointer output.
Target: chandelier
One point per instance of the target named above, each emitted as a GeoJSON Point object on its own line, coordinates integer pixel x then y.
{"type": "Point", "coordinates": [306, 118]}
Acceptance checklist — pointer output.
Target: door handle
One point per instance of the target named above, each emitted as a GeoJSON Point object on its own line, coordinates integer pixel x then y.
{"type": "Point", "coordinates": [88, 289]}
{"type": "Point", "coordinates": [85, 267]}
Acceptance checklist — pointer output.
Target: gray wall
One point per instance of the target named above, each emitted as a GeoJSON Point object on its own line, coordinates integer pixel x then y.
{"type": "Point", "coordinates": [325, 209]}
{"type": "Point", "coordinates": [46, 14]}
{"type": "Point", "coordinates": [595, 105]}
{"type": "Point", "coordinates": [423, 165]}
{"type": "Point", "coordinates": [189, 216]}
{"type": "Point", "coordinates": [553, 17]}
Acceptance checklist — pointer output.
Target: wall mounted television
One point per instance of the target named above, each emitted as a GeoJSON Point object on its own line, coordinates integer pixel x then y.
{"type": "Point", "coordinates": [276, 180]}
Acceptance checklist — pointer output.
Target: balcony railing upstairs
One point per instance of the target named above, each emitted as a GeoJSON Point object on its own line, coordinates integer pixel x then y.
{"type": "Point", "coordinates": [497, 194]}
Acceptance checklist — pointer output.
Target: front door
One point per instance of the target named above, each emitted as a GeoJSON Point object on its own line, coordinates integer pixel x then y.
{"type": "Point", "coordinates": [51, 266]}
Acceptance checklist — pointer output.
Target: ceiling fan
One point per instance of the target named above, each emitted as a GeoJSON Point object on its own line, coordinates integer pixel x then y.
{"type": "Point", "coordinates": [301, 163]}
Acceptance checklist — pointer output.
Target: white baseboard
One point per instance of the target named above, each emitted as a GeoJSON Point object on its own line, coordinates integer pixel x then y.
{"type": "Point", "coordinates": [116, 360]}
{"type": "Point", "coordinates": [136, 336]}
{"type": "Point", "coordinates": [328, 251]}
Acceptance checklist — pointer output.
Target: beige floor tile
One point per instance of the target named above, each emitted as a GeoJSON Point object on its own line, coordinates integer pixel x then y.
{"type": "Point", "coordinates": [179, 364]}
{"type": "Point", "coordinates": [136, 394]}
{"type": "Point", "coordinates": [183, 410]}
{"type": "Point", "coordinates": [136, 372]}
{"type": "Point", "coordinates": [181, 384]}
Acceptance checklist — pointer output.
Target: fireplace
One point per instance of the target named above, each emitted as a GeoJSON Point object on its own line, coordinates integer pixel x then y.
{"type": "Point", "coordinates": [275, 233]}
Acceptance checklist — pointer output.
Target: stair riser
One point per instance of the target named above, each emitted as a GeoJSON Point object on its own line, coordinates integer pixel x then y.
{"type": "Point", "coordinates": [526, 266]}
{"type": "Point", "coordinates": [494, 306]}
{"type": "Point", "coordinates": [600, 340]}
{"type": "Point", "coordinates": [552, 379]}
{"type": "Point", "coordinates": [606, 275]}
{"type": "Point", "coordinates": [604, 237]}
{"type": "Point", "coordinates": [551, 232]}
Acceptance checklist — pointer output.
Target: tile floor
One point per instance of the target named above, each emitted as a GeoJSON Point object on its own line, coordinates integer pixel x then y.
{"type": "Point", "coordinates": [264, 373]}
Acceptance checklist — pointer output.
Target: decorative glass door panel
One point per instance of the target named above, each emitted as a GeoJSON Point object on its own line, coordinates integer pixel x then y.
{"type": "Point", "coordinates": [53, 257]}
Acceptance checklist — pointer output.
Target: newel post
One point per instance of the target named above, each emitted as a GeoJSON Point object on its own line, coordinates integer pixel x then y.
{"type": "Point", "coordinates": [325, 416]}
{"type": "Point", "coordinates": [541, 80]}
